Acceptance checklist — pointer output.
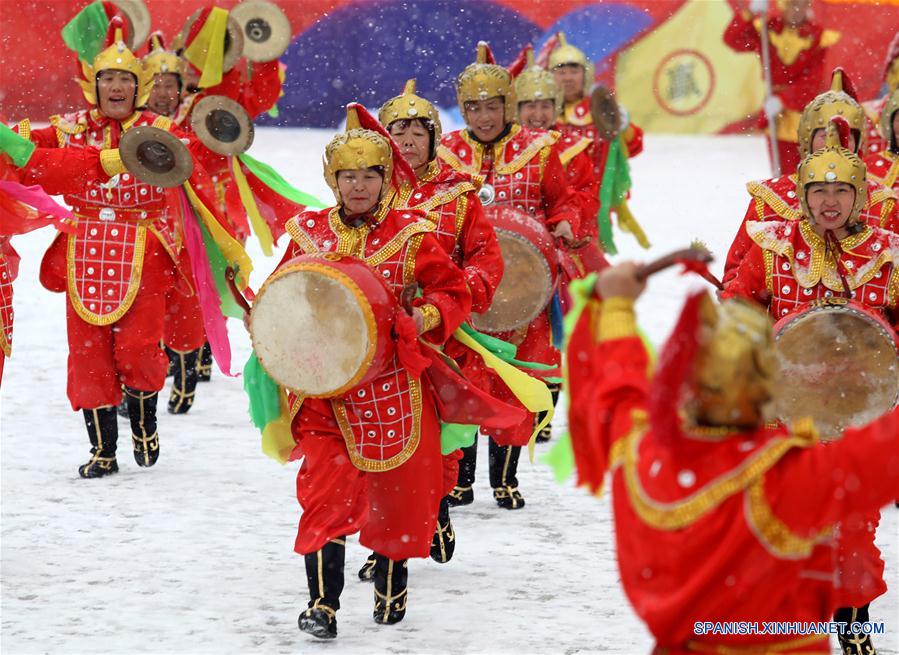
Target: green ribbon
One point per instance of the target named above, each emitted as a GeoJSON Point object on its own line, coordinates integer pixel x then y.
{"type": "Point", "coordinates": [504, 350]}
{"type": "Point", "coordinates": [218, 264]}
{"type": "Point", "coordinates": [263, 393]}
{"type": "Point", "coordinates": [85, 34]}
{"type": "Point", "coordinates": [15, 145]}
{"type": "Point", "coordinates": [616, 182]}
{"type": "Point", "coordinates": [456, 435]}
{"type": "Point", "coordinates": [270, 178]}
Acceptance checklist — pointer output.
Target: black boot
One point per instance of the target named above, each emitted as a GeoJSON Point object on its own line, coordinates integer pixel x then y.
{"type": "Point", "coordinates": [367, 572]}
{"type": "Point", "coordinates": [443, 543]}
{"type": "Point", "coordinates": [391, 577]}
{"type": "Point", "coordinates": [103, 431]}
{"type": "Point", "coordinates": [144, 438]}
{"type": "Point", "coordinates": [463, 492]}
{"type": "Point", "coordinates": [324, 575]}
{"type": "Point", "coordinates": [122, 409]}
{"type": "Point", "coordinates": [503, 470]}
{"type": "Point", "coordinates": [184, 384]}
{"type": "Point", "coordinates": [854, 643]}
{"type": "Point", "coordinates": [546, 431]}
{"type": "Point", "coordinates": [204, 365]}
{"type": "Point", "coordinates": [170, 371]}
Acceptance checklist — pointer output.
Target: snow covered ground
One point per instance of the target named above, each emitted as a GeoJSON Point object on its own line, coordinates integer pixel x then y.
{"type": "Point", "coordinates": [195, 555]}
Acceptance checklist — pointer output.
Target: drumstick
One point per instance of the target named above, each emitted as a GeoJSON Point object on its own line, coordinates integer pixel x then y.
{"type": "Point", "coordinates": [238, 296]}
{"type": "Point", "coordinates": [687, 256]}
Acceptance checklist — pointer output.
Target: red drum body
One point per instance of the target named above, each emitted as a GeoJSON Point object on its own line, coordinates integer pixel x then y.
{"type": "Point", "coordinates": [321, 325]}
{"type": "Point", "coordinates": [839, 365]}
{"type": "Point", "coordinates": [529, 277]}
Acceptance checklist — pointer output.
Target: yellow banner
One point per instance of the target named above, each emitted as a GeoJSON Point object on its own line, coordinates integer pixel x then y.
{"type": "Point", "coordinates": [683, 78]}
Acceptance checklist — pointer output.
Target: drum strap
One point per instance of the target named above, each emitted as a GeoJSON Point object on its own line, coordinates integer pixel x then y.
{"type": "Point", "coordinates": [832, 245]}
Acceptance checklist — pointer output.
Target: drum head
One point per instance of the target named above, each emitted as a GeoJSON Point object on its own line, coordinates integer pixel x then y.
{"type": "Point", "coordinates": [525, 289]}
{"type": "Point", "coordinates": [311, 332]}
{"type": "Point", "coordinates": [838, 366]}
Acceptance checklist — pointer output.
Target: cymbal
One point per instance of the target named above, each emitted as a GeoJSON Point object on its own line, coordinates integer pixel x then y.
{"type": "Point", "coordinates": [222, 125]}
{"type": "Point", "coordinates": [139, 17]}
{"type": "Point", "coordinates": [266, 30]}
{"type": "Point", "coordinates": [155, 156]}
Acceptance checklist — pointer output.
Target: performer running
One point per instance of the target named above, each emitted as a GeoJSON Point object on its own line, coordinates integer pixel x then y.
{"type": "Point", "coordinates": [718, 518]}
{"type": "Point", "coordinates": [796, 46]}
{"type": "Point", "coordinates": [115, 269]}
{"type": "Point", "coordinates": [521, 170]}
{"type": "Point", "coordinates": [371, 459]}
{"type": "Point", "coordinates": [778, 199]}
{"type": "Point", "coordinates": [450, 199]}
{"type": "Point", "coordinates": [829, 252]}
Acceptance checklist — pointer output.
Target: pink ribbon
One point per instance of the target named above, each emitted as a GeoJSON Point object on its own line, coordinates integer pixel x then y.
{"type": "Point", "coordinates": [210, 303]}
{"type": "Point", "coordinates": [37, 198]}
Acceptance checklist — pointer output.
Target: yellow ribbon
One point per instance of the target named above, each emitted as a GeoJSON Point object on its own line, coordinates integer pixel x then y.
{"type": "Point", "coordinates": [531, 392]}
{"type": "Point", "coordinates": [260, 227]}
{"type": "Point", "coordinates": [277, 438]}
{"type": "Point", "coordinates": [628, 223]}
{"type": "Point", "coordinates": [231, 249]}
{"type": "Point", "coordinates": [207, 51]}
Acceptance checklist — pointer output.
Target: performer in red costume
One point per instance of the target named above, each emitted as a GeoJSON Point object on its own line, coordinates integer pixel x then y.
{"type": "Point", "coordinates": [877, 141]}
{"type": "Point", "coordinates": [115, 267]}
{"type": "Point", "coordinates": [451, 200]}
{"type": "Point", "coordinates": [185, 334]}
{"type": "Point", "coordinates": [718, 518]}
{"type": "Point", "coordinates": [829, 252]}
{"type": "Point", "coordinates": [573, 73]}
{"type": "Point", "coordinates": [362, 470]}
{"type": "Point", "coordinates": [523, 171]}
{"type": "Point", "coordinates": [796, 48]}
{"type": "Point", "coordinates": [777, 199]}
{"type": "Point", "coordinates": [884, 165]}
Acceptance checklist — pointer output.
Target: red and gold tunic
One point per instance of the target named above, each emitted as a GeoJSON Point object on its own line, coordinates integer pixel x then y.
{"type": "Point", "coordinates": [576, 122]}
{"type": "Point", "coordinates": [717, 524]}
{"type": "Point", "coordinates": [526, 173]}
{"type": "Point", "coordinates": [115, 221]}
{"type": "Point", "coordinates": [449, 198]}
{"type": "Point", "coordinates": [884, 168]}
{"type": "Point", "coordinates": [789, 266]}
{"type": "Point", "coordinates": [876, 144]}
{"type": "Point", "coordinates": [776, 199]}
{"type": "Point", "coordinates": [402, 249]}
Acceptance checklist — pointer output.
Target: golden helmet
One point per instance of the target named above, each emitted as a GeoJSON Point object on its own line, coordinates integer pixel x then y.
{"type": "Point", "coordinates": [535, 83]}
{"type": "Point", "coordinates": [735, 367]}
{"type": "Point", "coordinates": [364, 144]}
{"type": "Point", "coordinates": [565, 53]}
{"type": "Point", "coordinates": [116, 56]}
{"type": "Point", "coordinates": [159, 60]}
{"type": "Point", "coordinates": [839, 100]}
{"type": "Point", "coordinates": [832, 164]}
{"type": "Point", "coordinates": [485, 79]}
{"type": "Point", "coordinates": [409, 106]}
{"type": "Point", "coordinates": [886, 121]}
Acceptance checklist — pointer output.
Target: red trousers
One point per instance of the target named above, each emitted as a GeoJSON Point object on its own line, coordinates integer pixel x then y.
{"type": "Point", "coordinates": [536, 346]}
{"type": "Point", "coordinates": [394, 511]}
{"type": "Point", "coordinates": [103, 358]}
{"type": "Point", "coordinates": [184, 328]}
{"type": "Point", "coordinates": [859, 561]}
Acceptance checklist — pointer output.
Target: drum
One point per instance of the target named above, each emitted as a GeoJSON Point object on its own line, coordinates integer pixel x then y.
{"type": "Point", "coordinates": [839, 365]}
{"type": "Point", "coordinates": [529, 276]}
{"type": "Point", "coordinates": [321, 325]}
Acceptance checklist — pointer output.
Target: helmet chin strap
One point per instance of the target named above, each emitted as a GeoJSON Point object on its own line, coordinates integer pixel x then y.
{"type": "Point", "coordinates": [832, 246]}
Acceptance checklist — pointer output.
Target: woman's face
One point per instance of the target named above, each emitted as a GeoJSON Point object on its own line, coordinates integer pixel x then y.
{"type": "Point", "coordinates": [830, 204]}
{"type": "Point", "coordinates": [486, 118]}
{"type": "Point", "coordinates": [537, 114]}
{"type": "Point", "coordinates": [360, 189]}
{"type": "Point", "coordinates": [414, 141]}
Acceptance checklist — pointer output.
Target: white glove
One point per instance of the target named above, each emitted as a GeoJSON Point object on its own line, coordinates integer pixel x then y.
{"type": "Point", "coordinates": [758, 7]}
{"type": "Point", "coordinates": [773, 106]}
{"type": "Point", "coordinates": [624, 118]}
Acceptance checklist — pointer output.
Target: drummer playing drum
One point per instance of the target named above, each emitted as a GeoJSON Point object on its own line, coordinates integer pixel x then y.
{"type": "Point", "coordinates": [829, 253]}
{"type": "Point", "coordinates": [522, 171]}
{"type": "Point", "coordinates": [372, 459]}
